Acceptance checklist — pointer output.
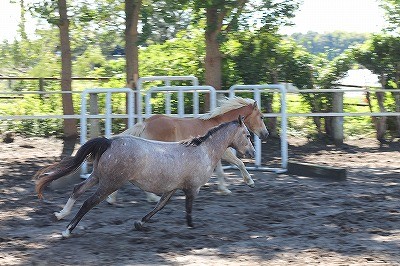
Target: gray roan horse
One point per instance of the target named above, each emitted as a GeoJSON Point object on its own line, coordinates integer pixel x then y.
{"type": "Point", "coordinates": [154, 166]}
{"type": "Point", "coordinates": [169, 128]}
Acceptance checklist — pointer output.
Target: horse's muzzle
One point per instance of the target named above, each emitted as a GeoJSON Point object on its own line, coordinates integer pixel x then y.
{"type": "Point", "coordinates": [250, 153]}
{"type": "Point", "coordinates": [263, 135]}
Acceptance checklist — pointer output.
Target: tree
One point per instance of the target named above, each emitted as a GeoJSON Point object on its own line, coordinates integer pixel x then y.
{"type": "Point", "coordinates": [56, 13]}
{"type": "Point", "coordinates": [392, 10]}
{"type": "Point", "coordinates": [70, 125]}
{"type": "Point", "coordinates": [223, 17]}
{"type": "Point", "coordinates": [132, 13]}
{"type": "Point", "coordinates": [333, 43]}
{"type": "Point", "coordinates": [380, 54]}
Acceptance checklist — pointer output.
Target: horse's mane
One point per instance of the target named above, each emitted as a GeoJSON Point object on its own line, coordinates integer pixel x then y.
{"type": "Point", "coordinates": [196, 141]}
{"type": "Point", "coordinates": [226, 105]}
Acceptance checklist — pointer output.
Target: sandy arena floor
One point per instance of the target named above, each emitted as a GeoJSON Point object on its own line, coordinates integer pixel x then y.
{"type": "Point", "coordinates": [283, 220]}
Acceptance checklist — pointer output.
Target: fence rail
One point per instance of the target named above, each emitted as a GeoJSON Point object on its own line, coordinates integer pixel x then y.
{"type": "Point", "coordinates": [41, 81]}
{"type": "Point", "coordinates": [226, 92]}
{"type": "Point", "coordinates": [283, 89]}
{"type": "Point", "coordinates": [54, 78]}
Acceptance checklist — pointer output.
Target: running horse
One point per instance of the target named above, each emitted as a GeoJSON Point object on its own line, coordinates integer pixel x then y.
{"type": "Point", "coordinates": [167, 128]}
{"type": "Point", "coordinates": [154, 166]}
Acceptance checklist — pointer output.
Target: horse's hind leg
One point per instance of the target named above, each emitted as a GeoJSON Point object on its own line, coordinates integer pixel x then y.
{"type": "Point", "coordinates": [231, 158]}
{"type": "Point", "coordinates": [100, 194]}
{"type": "Point", "coordinates": [79, 189]}
{"type": "Point", "coordinates": [161, 203]}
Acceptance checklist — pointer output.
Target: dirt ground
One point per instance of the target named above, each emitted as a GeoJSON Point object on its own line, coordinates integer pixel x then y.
{"type": "Point", "coordinates": [283, 220]}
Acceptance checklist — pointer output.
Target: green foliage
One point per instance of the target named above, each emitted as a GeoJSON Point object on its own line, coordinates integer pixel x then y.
{"type": "Point", "coordinates": [239, 15]}
{"type": "Point", "coordinates": [253, 53]}
{"type": "Point", "coordinates": [180, 56]}
{"type": "Point", "coordinates": [392, 10]}
{"type": "Point", "coordinates": [332, 44]}
{"type": "Point", "coordinates": [90, 63]}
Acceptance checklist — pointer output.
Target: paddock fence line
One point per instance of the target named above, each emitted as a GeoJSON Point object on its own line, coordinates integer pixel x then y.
{"type": "Point", "coordinates": [41, 81]}
{"type": "Point", "coordinates": [282, 89]}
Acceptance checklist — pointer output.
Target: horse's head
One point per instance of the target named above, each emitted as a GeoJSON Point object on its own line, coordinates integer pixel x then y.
{"type": "Point", "coordinates": [241, 141]}
{"type": "Point", "coordinates": [254, 121]}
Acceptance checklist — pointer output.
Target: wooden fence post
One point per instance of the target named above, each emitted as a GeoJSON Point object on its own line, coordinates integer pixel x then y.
{"type": "Point", "coordinates": [41, 84]}
{"type": "Point", "coordinates": [337, 122]}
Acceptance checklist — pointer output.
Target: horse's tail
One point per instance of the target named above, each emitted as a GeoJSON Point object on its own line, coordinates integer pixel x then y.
{"type": "Point", "coordinates": [136, 130]}
{"type": "Point", "coordinates": [93, 148]}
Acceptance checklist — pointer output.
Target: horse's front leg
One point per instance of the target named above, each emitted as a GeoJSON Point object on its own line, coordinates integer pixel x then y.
{"type": "Point", "coordinates": [189, 198]}
{"type": "Point", "coordinates": [231, 158]}
{"type": "Point", "coordinates": [221, 179]}
{"type": "Point", "coordinates": [151, 197]}
{"type": "Point", "coordinates": [161, 203]}
{"type": "Point", "coordinates": [112, 198]}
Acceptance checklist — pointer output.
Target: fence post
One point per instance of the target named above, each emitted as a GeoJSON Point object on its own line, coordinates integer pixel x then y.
{"type": "Point", "coordinates": [41, 84]}
{"type": "Point", "coordinates": [94, 131]}
{"type": "Point", "coordinates": [337, 121]}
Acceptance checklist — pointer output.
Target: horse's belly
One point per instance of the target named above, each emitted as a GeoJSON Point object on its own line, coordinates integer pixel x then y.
{"type": "Point", "coordinates": [157, 180]}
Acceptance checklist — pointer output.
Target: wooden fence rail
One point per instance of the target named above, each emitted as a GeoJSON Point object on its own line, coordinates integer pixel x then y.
{"type": "Point", "coordinates": [42, 79]}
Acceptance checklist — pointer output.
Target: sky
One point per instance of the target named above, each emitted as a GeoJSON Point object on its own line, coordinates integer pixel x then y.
{"type": "Point", "coordinates": [314, 15]}
{"type": "Point", "coordinates": [362, 16]}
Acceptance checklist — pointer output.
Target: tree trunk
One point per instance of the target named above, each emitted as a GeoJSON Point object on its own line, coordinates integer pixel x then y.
{"type": "Point", "coordinates": [70, 125]}
{"type": "Point", "coordinates": [213, 58]}
{"type": "Point", "coordinates": [380, 121]}
{"type": "Point", "coordinates": [328, 126]}
{"type": "Point", "coordinates": [396, 96]}
{"type": "Point", "coordinates": [317, 119]}
{"type": "Point", "coordinates": [132, 13]}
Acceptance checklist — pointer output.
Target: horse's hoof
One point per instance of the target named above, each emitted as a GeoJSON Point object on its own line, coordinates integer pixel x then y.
{"type": "Point", "coordinates": [225, 191]}
{"type": "Point", "coordinates": [190, 225]}
{"type": "Point", "coordinates": [138, 225]}
{"type": "Point", "coordinates": [111, 201]}
{"type": "Point", "coordinates": [251, 184]}
{"type": "Point", "coordinates": [66, 233]}
{"type": "Point", "coordinates": [59, 215]}
{"type": "Point", "coordinates": [152, 198]}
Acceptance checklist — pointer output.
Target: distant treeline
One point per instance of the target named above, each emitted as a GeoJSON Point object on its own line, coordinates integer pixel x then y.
{"type": "Point", "coordinates": [332, 43]}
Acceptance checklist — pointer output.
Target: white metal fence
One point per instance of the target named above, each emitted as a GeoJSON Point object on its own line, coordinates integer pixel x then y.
{"type": "Point", "coordinates": [195, 89]}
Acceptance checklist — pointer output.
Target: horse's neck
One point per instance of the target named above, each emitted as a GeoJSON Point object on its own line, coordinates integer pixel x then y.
{"type": "Point", "coordinates": [219, 142]}
{"type": "Point", "coordinates": [232, 115]}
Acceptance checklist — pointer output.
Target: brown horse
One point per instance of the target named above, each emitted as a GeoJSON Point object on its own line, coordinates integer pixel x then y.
{"type": "Point", "coordinates": [168, 128]}
{"type": "Point", "coordinates": [154, 166]}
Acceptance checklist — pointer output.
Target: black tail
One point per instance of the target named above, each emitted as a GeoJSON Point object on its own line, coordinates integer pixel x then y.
{"type": "Point", "coordinates": [94, 148]}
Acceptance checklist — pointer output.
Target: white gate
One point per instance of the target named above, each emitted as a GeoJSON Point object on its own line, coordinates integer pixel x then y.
{"type": "Point", "coordinates": [167, 81]}
{"type": "Point", "coordinates": [167, 90]}
{"type": "Point", "coordinates": [108, 115]}
{"type": "Point", "coordinates": [257, 90]}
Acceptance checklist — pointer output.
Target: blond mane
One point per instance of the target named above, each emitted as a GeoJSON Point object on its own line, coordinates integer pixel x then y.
{"type": "Point", "coordinates": [226, 105]}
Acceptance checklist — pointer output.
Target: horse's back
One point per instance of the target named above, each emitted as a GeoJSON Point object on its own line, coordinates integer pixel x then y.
{"type": "Point", "coordinates": [168, 128]}
{"type": "Point", "coordinates": [153, 166]}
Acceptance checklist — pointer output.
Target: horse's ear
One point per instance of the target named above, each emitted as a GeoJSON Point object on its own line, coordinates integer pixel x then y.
{"type": "Point", "coordinates": [255, 105]}
{"type": "Point", "coordinates": [240, 120]}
